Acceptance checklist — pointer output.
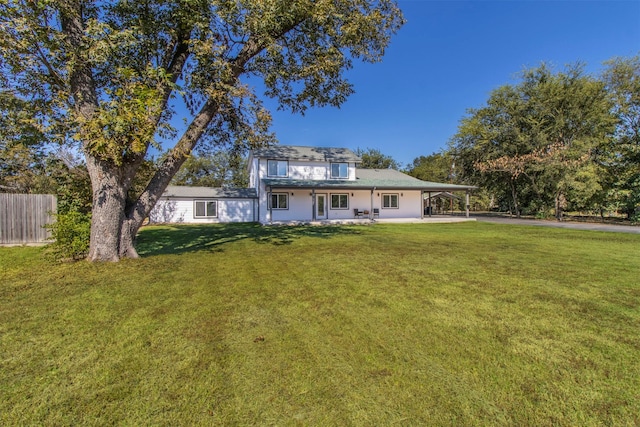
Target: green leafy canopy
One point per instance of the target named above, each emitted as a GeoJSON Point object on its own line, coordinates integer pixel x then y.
{"type": "Point", "coordinates": [139, 55]}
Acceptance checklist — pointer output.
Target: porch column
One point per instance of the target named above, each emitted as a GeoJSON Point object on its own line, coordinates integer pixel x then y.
{"type": "Point", "coordinates": [467, 197]}
{"type": "Point", "coordinates": [270, 205]}
{"type": "Point", "coordinates": [371, 216]}
{"type": "Point", "coordinates": [313, 204]}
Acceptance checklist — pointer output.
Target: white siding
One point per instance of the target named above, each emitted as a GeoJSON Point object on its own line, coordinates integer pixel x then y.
{"type": "Point", "coordinates": [180, 210]}
{"type": "Point", "coordinates": [409, 204]}
{"type": "Point", "coordinates": [306, 170]}
{"type": "Point", "coordinates": [254, 179]}
{"type": "Point", "coordinates": [301, 205]}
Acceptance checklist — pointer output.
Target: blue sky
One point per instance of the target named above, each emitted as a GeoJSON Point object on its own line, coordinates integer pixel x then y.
{"type": "Point", "coordinates": [448, 57]}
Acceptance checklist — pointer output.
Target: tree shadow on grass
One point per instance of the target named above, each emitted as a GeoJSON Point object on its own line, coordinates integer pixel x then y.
{"type": "Point", "coordinates": [183, 238]}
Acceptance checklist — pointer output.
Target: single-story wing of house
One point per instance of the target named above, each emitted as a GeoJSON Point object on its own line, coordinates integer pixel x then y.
{"type": "Point", "coordinates": [304, 184]}
{"type": "Point", "coordinates": [183, 204]}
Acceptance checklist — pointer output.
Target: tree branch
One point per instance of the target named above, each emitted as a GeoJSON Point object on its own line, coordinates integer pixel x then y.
{"type": "Point", "coordinates": [176, 157]}
{"type": "Point", "coordinates": [82, 84]}
{"type": "Point", "coordinates": [52, 72]}
{"type": "Point", "coordinates": [256, 44]}
{"type": "Point", "coordinates": [174, 65]}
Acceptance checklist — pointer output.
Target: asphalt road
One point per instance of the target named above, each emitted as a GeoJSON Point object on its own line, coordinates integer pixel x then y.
{"type": "Point", "coordinates": [564, 224]}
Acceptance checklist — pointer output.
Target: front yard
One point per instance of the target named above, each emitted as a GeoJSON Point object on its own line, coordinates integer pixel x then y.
{"type": "Point", "coordinates": [429, 324]}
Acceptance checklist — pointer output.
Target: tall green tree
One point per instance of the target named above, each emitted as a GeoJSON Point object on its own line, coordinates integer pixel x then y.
{"type": "Point", "coordinates": [495, 131]}
{"type": "Point", "coordinates": [105, 74]}
{"type": "Point", "coordinates": [22, 159]}
{"type": "Point", "coordinates": [436, 167]}
{"type": "Point", "coordinates": [372, 158]}
{"type": "Point", "coordinates": [218, 169]}
{"type": "Point", "coordinates": [538, 140]}
{"type": "Point", "coordinates": [622, 156]}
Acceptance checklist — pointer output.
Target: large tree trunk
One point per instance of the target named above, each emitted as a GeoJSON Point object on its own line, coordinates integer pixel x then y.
{"type": "Point", "coordinates": [113, 231]}
{"type": "Point", "coordinates": [107, 213]}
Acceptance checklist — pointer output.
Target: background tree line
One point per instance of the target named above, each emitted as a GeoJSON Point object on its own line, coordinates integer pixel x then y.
{"type": "Point", "coordinates": [554, 141]}
{"type": "Point", "coordinates": [557, 141]}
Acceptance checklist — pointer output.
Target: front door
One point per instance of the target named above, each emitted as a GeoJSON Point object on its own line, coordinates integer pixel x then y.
{"type": "Point", "coordinates": [321, 206]}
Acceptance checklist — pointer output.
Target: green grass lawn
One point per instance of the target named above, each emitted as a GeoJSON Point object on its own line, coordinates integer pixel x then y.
{"type": "Point", "coordinates": [397, 324]}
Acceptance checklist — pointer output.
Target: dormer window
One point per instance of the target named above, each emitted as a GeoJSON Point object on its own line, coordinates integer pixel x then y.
{"type": "Point", "coordinates": [339, 170]}
{"type": "Point", "coordinates": [277, 168]}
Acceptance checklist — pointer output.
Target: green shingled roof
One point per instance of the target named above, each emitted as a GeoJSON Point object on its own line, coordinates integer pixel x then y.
{"type": "Point", "coordinates": [209, 192]}
{"type": "Point", "coordinates": [369, 178]}
{"type": "Point", "coordinates": [294, 152]}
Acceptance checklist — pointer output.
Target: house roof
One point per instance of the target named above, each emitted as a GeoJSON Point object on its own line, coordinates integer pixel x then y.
{"type": "Point", "coordinates": [209, 192]}
{"type": "Point", "coordinates": [294, 152]}
{"type": "Point", "coordinates": [369, 178]}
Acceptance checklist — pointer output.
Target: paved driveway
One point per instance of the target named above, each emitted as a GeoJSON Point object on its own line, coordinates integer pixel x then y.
{"type": "Point", "coordinates": [564, 224]}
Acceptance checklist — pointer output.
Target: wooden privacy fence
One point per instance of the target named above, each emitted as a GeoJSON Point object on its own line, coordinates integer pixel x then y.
{"type": "Point", "coordinates": [22, 217]}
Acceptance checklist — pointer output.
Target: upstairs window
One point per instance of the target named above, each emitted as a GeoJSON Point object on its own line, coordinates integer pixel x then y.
{"type": "Point", "coordinates": [339, 170]}
{"type": "Point", "coordinates": [390, 201]}
{"type": "Point", "coordinates": [205, 209]}
{"type": "Point", "coordinates": [277, 168]}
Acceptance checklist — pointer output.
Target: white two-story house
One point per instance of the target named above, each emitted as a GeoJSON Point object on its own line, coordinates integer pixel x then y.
{"type": "Point", "coordinates": [304, 184]}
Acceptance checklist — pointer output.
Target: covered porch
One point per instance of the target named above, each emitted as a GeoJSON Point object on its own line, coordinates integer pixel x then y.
{"type": "Point", "coordinates": [375, 195]}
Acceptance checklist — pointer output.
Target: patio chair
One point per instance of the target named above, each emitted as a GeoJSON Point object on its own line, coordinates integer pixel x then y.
{"type": "Point", "coordinates": [376, 212]}
{"type": "Point", "coordinates": [357, 213]}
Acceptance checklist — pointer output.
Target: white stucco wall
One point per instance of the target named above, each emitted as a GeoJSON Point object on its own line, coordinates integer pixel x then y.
{"type": "Point", "coordinates": [409, 204]}
{"type": "Point", "coordinates": [301, 205]}
{"type": "Point", "coordinates": [180, 210]}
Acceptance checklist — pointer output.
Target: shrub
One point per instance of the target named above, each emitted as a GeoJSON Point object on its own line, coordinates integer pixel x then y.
{"type": "Point", "coordinates": [70, 235]}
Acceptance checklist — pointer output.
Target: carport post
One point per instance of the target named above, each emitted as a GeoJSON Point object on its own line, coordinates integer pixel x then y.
{"type": "Point", "coordinates": [371, 208]}
{"type": "Point", "coordinates": [467, 194]}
